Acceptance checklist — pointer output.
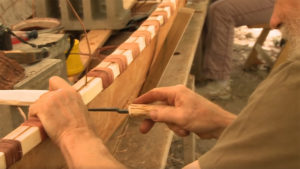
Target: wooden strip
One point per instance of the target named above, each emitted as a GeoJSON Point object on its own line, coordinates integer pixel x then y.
{"type": "Point", "coordinates": [126, 53]}
{"type": "Point", "coordinates": [165, 29]}
{"type": "Point", "coordinates": [2, 160]}
{"type": "Point", "coordinates": [142, 42]}
{"type": "Point", "coordinates": [91, 90]}
{"type": "Point", "coordinates": [20, 97]}
{"type": "Point", "coordinates": [189, 142]}
{"type": "Point", "coordinates": [152, 22]}
{"type": "Point", "coordinates": [168, 49]}
{"type": "Point", "coordinates": [17, 132]}
{"type": "Point", "coordinates": [30, 139]}
{"type": "Point", "coordinates": [163, 13]}
{"type": "Point", "coordinates": [143, 33]}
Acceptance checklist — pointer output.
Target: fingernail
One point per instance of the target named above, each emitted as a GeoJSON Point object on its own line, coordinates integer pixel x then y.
{"type": "Point", "coordinates": [153, 115]}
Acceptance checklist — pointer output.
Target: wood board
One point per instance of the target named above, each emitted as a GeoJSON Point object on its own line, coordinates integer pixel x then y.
{"type": "Point", "coordinates": [151, 150]}
{"type": "Point", "coordinates": [167, 49]}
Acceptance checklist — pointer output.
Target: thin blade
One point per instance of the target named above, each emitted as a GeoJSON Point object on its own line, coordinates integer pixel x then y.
{"type": "Point", "coordinates": [121, 111]}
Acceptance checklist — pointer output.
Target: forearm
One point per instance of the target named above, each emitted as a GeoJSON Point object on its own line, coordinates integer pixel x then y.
{"type": "Point", "coordinates": [212, 120]}
{"type": "Point", "coordinates": [82, 149]}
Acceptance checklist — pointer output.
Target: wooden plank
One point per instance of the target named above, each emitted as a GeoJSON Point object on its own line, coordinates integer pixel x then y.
{"type": "Point", "coordinates": [189, 142]}
{"type": "Point", "coordinates": [2, 160]}
{"type": "Point", "coordinates": [20, 97]}
{"type": "Point", "coordinates": [137, 150]}
{"type": "Point", "coordinates": [168, 48]}
{"type": "Point", "coordinates": [164, 33]}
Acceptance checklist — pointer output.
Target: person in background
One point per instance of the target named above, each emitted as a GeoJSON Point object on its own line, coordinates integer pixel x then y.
{"type": "Point", "coordinates": [223, 16]}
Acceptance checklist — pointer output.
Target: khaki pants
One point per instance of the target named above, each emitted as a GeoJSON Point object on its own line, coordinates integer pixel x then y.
{"type": "Point", "coordinates": [223, 16]}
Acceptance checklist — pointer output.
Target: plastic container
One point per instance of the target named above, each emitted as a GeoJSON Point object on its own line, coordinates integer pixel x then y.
{"type": "Point", "coordinates": [74, 64]}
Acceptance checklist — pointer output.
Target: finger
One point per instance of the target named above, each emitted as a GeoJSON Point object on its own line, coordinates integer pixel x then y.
{"type": "Point", "coordinates": [165, 94]}
{"type": "Point", "coordinates": [166, 114]}
{"type": "Point", "coordinates": [32, 112]}
{"type": "Point", "coordinates": [179, 131]}
{"type": "Point", "coordinates": [56, 82]}
{"type": "Point", "coordinates": [45, 100]}
{"type": "Point", "coordinates": [146, 126]}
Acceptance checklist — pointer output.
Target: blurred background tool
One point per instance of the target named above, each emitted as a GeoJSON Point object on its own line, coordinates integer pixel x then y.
{"type": "Point", "coordinates": [25, 35]}
{"type": "Point", "coordinates": [74, 64]}
{"type": "Point", "coordinates": [27, 57]}
{"type": "Point", "coordinates": [5, 41]}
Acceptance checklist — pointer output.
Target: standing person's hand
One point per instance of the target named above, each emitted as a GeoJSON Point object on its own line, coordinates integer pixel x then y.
{"type": "Point", "coordinates": [187, 112]}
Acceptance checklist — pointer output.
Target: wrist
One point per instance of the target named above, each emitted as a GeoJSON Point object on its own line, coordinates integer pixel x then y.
{"type": "Point", "coordinates": [75, 136]}
{"type": "Point", "coordinates": [223, 122]}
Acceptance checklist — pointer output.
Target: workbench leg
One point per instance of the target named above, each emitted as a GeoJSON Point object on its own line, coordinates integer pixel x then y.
{"type": "Point", "coordinates": [189, 146]}
{"type": "Point", "coordinates": [198, 60]}
{"type": "Point", "coordinates": [189, 143]}
{"type": "Point", "coordinates": [252, 58]}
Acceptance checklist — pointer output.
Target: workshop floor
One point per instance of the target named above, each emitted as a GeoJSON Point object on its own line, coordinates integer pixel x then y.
{"type": "Point", "coordinates": [243, 84]}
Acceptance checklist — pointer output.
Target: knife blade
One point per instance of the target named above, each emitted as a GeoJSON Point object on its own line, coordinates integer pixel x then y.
{"type": "Point", "coordinates": [121, 111]}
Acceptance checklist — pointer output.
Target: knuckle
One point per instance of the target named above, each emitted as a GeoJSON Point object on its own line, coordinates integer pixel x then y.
{"type": "Point", "coordinates": [155, 90]}
{"type": "Point", "coordinates": [181, 88]}
{"type": "Point", "coordinates": [182, 119]}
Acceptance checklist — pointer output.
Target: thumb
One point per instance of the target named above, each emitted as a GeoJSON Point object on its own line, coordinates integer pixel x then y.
{"type": "Point", "coordinates": [165, 114]}
{"type": "Point", "coordinates": [56, 82]}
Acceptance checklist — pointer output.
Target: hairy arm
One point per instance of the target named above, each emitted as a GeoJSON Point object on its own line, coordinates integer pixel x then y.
{"type": "Point", "coordinates": [82, 149]}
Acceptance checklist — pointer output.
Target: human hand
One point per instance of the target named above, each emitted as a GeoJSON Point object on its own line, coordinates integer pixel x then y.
{"type": "Point", "coordinates": [61, 110]}
{"type": "Point", "coordinates": [187, 112]}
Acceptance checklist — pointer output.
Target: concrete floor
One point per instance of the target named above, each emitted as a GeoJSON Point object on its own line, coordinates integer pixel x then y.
{"type": "Point", "coordinates": [243, 84]}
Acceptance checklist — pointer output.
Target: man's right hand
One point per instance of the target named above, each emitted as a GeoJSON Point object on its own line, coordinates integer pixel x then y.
{"type": "Point", "coordinates": [188, 112]}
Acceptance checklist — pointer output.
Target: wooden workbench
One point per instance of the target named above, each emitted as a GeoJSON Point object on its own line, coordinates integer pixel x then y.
{"type": "Point", "coordinates": [150, 151]}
